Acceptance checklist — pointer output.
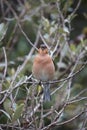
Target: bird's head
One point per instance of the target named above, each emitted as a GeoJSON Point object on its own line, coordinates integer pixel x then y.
{"type": "Point", "coordinates": [43, 49]}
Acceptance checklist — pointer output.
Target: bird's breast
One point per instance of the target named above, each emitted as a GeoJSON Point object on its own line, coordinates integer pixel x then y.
{"type": "Point", "coordinates": [43, 69]}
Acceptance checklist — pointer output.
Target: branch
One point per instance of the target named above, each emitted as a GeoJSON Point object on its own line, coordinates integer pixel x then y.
{"type": "Point", "coordinates": [16, 17]}
{"type": "Point", "coordinates": [64, 122]}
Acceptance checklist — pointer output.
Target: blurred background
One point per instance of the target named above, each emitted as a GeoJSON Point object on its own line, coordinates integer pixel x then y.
{"type": "Point", "coordinates": [58, 23]}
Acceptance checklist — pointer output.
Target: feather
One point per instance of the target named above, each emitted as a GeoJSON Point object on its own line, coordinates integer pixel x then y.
{"type": "Point", "coordinates": [46, 90]}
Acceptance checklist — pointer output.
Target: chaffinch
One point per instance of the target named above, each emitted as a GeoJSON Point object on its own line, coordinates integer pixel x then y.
{"type": "Point", "coordinates": [43, 69]}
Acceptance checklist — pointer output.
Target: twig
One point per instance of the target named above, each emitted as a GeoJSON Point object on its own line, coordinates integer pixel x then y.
{"type": "Point", "coordinates": [5, 70]}
{"type": "Point", "coordinates": [77, 100]}
{"type": "Point", "coordinates": [77, 96]}
{"type": "Point", "coordinates": [78, 4]}
{"type": "Point", "coordinates": [62, 123]}
{"type": "Point", "coordinates": [74, 74]}
{"type": "Point", "coordinates": [38, 105]}
{"type": "Point", "coordinates": [44, 41]}
{"type": "Point", "coordinates": [16, 17]}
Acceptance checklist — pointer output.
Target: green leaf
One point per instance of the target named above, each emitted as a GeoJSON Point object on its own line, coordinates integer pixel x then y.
{"type": "Point", "coordinates": [7, 107]}
{"type": "Point", "coordinates": [3, 29]}
{"type": "Point", "coordinates": [18, 112]}
{"type": "Point", "coordinates": [46, 23]}
{"type": "Point", "coordinates": [65, 51]}
{"type": "Point", "coordinates": [62, 65]}
{"type": "Point", "coordinates": [73, 47]}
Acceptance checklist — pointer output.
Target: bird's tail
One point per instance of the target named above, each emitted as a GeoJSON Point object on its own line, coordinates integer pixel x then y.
{"type": "Point", "coordinates": [46, 91]}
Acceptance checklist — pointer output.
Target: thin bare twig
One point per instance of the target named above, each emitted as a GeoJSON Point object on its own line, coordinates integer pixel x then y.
{"type": "Point", "coordinates": [62, 123]}
{"type": "Point", "coordinates": [16, 17]}
{"type": "Point", "coordinates": [5, 70]}
{"type": "Point", "coordinates": [74, 11]}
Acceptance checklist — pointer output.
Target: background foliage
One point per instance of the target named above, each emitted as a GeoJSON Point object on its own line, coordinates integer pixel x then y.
{"type": "Point", "coordinates": [62, 26]}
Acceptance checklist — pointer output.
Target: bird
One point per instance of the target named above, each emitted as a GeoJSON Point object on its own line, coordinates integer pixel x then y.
{"type": "Point", "coordinates": [43, 69]}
